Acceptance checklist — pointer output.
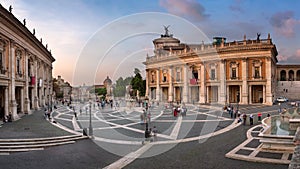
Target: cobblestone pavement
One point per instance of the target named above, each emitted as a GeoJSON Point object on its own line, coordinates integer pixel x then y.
{"type": "Point", "coordinates": [118, 138]}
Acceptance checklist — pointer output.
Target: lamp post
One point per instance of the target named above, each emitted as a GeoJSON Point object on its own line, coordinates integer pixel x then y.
{"type": "Point", "coordinates": [90, 126]}
{"type": "Point", "coordinates": [238, 100]}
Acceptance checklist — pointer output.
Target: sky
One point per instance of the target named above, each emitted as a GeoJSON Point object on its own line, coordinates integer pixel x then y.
{"type": "Point", "coordinates": [93, 39]}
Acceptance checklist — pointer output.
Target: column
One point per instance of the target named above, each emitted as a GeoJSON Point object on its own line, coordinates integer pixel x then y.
{"type": "Point", "coordinates": [207, 94]}
{"type": "Point", "coordinates": [22, 100]}
{"type": "Point", "coordinates": [250, 94]}
{"type": "Point", "coordinates": [264, 93]}
{"type": "Point", "coordinates": [227, 95]}
{"type": "Point", "coordinates": [244, 89]}
{"type": "Point", "coordinates": [202, 98]}
{"type": "Point", "coordinates": [35, 90]}
{"type": "Point", "coordinates": [185, 84]}
{"type": "Point", "coordinates": [199, 85]}
{"type": "Point", "coordinates": [269, 81]}
{"type": "Point", "coordinates": [26, 94]}
{"type": "Point", "coordinates": [240, 94]}
{"type": "Point", "coordinates": [222, 89]}
{"type": "Point", "coordinates": [6, 106]}
{"type": "Point", "coordinates": [147, 84]}
{"type": "Point", "coordinates": [170, 92]}
{"type": "Point", "coordinates": [12, 86]}
{"type": "Point", "coordinates": [157, 86]}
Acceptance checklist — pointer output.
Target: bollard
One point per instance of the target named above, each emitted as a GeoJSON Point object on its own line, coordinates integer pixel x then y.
{"type": "Point", "coordinates": [84, 132]}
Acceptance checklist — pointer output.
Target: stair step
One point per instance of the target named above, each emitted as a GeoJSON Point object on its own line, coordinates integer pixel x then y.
{"type": "Point", "coordinates": [39, 139]}
{"type": "Point", "coordinates": [2, 151]}
{"type": "Point", "coordinates": [7, 148]}
{"type": "Point", "coordinates": [33, 142]}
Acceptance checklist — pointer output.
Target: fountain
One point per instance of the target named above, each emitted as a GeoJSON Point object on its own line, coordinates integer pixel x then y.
{"type": "Point", "coordinates": [279, 131]}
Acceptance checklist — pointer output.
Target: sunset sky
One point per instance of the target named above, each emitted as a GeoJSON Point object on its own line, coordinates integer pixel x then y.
{"type": "Point", "coordinates": [92, 39]}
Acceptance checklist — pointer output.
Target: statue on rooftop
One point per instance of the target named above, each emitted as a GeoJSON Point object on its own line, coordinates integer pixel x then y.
{"type": "Point", "coordinates": [10, 8]}
{"type": "Point", "coordinates": [166, 30]}
{"type": "Point", "coordinates": [258, 35]}
{"type": "Point", "coordinates": [33, 32]}
{"type": "Point", "coordinates": [24, 22]}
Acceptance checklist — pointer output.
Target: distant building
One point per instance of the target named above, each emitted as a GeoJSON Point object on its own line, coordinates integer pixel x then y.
{"type": "Point", "coordinates": [288, 81]}
{"type": "Point", "coordinates": [109, 88]}
{"type": "Point", "coordinates": [63, 90]}
{"type": "Point", "coordinates": [222, 72]}
{"type": "Point", "coordinates": [25, 68]}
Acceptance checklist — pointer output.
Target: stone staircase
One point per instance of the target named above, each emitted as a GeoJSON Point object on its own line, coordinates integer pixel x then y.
{"type": "Point", "coordinates": [21, 145]}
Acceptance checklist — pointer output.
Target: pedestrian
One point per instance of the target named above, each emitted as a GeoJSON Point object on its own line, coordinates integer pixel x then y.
{"type": "Point", "coordinates": [244, 118]}
{"type": "Point", "coordinates": [259, 116]}
{"type": "Point", "coordinates": [149, 117]}
{"type": "Point", "coordinates": [251, 119]}
{"type": "Point", "coordinates": [142, 118]}
{"type": "Point", "coordinates": [75, 115]}
{"type": "Point", "coordinates": [231, 113]}
{"type": "Point", "coordinates": [155, 131]}
{"type": "Point", "coordinates": [235, 114]}
{"type": "Point", "coordinates": [175, 112]}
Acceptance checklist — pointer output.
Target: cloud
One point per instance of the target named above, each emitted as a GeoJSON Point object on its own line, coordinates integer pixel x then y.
{"type": "Point", "coordinates": [298, 53]}
{"type": "Point", "coordinates": [287, 56]}
{"type": "Point", "coordinates": [190, 9]}
{"type": "Point", "coordinates": [284, 23]}
{"type": "Point", "coordinates": [236, 7]}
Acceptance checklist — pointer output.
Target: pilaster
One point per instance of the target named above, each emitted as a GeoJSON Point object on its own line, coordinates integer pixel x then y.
{"type": "Point", "coordinates": [244, 90]}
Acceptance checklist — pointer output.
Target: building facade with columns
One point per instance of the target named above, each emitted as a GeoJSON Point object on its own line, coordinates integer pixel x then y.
{"type": "Point", "coordinates": [25, 68]}
{"type": "Point", "coordinates": [222, 72]}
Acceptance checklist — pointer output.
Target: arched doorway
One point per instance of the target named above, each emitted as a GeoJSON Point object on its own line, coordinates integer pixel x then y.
{"type": "Point", "coordinates": [298, 75]}
{"type": "Point", "coordinates": [291, 75]}
{"type": "Point", "coordinates": [283, 75]}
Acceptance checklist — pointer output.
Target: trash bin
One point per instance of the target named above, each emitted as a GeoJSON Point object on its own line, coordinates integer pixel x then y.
{"type": "Point", "coordinates": [84, 132]}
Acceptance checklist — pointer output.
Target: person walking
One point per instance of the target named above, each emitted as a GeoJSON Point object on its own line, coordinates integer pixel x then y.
{"type": "Point", "coordinates": [244, 118]}
{"type": "Point", "coordinates": [259, 116]}
{"type": "Point", "coordinates": [251, 119]}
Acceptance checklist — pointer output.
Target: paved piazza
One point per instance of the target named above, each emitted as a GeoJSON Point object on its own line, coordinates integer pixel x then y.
{"type": "Point", "coordinates": [120, 131]}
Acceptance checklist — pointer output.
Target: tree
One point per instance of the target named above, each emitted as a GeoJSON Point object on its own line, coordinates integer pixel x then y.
{"type": "Point", "coordinates": [138, 83]}
{"type": "Point", "coordinates": [120, 88]}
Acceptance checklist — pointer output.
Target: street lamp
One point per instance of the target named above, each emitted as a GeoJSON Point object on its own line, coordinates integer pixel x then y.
{"type": "Point", "coordinates": [238, 100]}
{"type": "Point", "coordinates": [90, 126]}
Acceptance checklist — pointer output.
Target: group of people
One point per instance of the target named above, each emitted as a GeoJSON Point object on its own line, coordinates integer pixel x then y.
{"type": "Point", "coordinates": [150, 133]}
{"type": "Point", "coordinates": [145, 117]}
{"type": "Point", "coordinates": [179, 110]}
{"type": "Point", "coordinates": [235, 113]}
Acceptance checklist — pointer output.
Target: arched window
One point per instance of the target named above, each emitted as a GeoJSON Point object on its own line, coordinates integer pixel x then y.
{"type": "Point", "coordinates": [283, 75]}
{"type": "Point", "coordinates": [298, 75]}
{"type": "Point", "coordinates": [291, 75]}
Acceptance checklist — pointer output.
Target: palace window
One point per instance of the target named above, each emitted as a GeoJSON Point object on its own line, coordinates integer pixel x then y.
{"type": "Point", "coordinates": [233, 73]}
{"type": "Point", "coordinates": [195, 74]}
{"type": "Point", "coordinates": [256, 69]}
{"type": "Point", "coordinates": [152, 77]}
{"type": "Point", "coordinates": [256, 73]}
{"type": "Point", "coordinates": [164, 78]}
{"type": "Point", "coordinates": [212, 74]}
{"type": "Point", "coordinates": [234, 70]}
{"type": "Point", "coordinates": [178, 74]}
{"type": "Point", "coordinates": [18, 63]}
{"type": "Point", "coordinates": [1, 60]}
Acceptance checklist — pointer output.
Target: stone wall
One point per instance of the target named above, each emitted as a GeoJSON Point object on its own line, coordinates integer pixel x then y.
{"type": "Point", "coordinates": [289, 89]}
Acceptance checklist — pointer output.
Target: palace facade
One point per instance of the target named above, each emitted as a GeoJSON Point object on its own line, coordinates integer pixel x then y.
{"type": "Point", "coordinates": [222, 72]}
{"type": "Point", "coordinates": [25, 68]}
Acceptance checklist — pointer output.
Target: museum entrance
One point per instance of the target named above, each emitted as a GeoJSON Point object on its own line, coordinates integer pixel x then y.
{"type": "Point", "coordinates": [234, 94]}
{"type": "Point", "coordinates": [212, 94]}
{"type": "Point", "coordinates": [165, 94]}
{"type": "Point", "coordinates": [257, 94]}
